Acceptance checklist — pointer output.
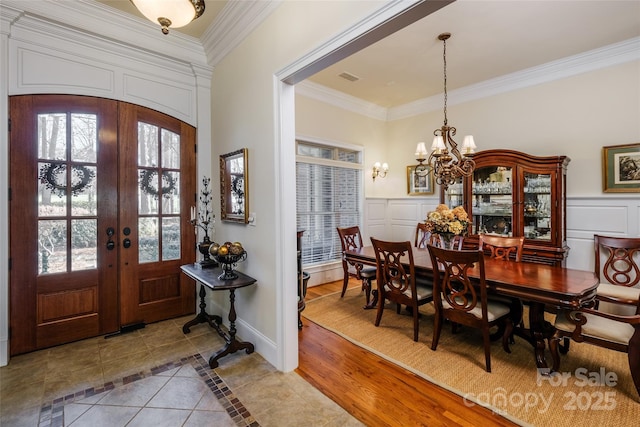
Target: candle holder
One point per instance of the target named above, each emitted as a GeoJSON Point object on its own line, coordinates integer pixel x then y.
{"type": "Point", "coordinates": [204, 219]}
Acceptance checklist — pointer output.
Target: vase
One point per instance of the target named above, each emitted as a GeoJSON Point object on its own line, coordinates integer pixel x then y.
{"type": "Point", "coordinates": [203, 248]}
{"type": "Point", "coordinates": [448, 241]}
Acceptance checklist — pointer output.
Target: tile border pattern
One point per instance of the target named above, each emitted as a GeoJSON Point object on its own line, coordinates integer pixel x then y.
{"type": "Point", "coordinates": [52, 413]}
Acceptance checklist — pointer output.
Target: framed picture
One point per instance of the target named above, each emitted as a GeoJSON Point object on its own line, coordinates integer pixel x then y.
{"type": "Point", "coordinates": [621, 168]}
{"type": "Point", "coordinates": [419, 185]}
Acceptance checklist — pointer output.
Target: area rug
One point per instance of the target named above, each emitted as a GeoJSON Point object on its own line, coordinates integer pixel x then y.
{"type": "Point", "coordinates": [594, 385]}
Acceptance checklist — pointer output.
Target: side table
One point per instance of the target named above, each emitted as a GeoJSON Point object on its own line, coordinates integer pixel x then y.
{"type": "Point", "coordinates": [209, 278]}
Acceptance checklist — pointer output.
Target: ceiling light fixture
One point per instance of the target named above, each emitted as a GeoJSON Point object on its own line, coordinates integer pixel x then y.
{"type": "Point", "coordinates": [170, 13]}
{"type": "Point", "coordinates": [445, 159]}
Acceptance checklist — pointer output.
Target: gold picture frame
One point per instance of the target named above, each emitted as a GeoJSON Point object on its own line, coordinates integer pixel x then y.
{"type": "Point", "coordinates": [621, 168]}
{"type": "Point", "coordinates": [234, 186]}
{"type": "Point", "coordinates": [419, 185]}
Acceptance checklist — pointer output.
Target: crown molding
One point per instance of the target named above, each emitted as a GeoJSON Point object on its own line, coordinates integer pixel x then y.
{"type": "Point", "coordinates": [339, 99]}
{"type": "Point", "coordinates": [607, 56]}
{"type": "Point", "coordinates": [234, 23]}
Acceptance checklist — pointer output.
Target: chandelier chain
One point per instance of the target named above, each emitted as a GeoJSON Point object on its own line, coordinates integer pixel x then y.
{"type": "Point", "coordinates": [444, 57]}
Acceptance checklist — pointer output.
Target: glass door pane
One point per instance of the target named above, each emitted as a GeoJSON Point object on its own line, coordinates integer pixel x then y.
{"type": "Point", "coordinates": [537, 206]}
{"type": "Point", "coordinates": [67, 196]}
{"type": "Point", "coordinates": [492, 201]}
{"type": "Point", "coordinates": [158, 194]}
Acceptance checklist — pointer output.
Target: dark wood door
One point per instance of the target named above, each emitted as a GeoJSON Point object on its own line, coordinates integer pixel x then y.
{"type": "Point", "coordinates": [70, 196]}
{"type": "Point", "coordinates": [157, 165]}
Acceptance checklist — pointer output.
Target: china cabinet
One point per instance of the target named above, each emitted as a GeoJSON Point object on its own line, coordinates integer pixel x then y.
{"type": "Point", "coordinates": [516, 194]}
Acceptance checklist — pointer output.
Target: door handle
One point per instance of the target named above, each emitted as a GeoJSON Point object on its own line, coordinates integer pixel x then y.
{"type": "Point", "coordinates": [126, 243]}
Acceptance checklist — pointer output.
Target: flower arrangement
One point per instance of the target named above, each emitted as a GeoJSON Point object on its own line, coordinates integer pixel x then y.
{"type": "Point", "coordinates": [448, 222]}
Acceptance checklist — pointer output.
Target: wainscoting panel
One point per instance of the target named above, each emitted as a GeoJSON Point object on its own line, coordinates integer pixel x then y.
{"type": "Point", "coordinates": [376, 210]}
{"type": "Point", "coordinates": [403, 211]}
{"type": "Point", "coordinates": [586, 216]}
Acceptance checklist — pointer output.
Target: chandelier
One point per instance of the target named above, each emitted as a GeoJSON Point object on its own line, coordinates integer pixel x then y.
{"type": "Point", "coordinates": [445, 160]}
{"type": "Point", "coordinates": [170, 13]}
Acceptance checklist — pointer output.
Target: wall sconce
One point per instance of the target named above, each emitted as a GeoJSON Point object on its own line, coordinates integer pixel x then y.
{"type": "Point", "coordinates": [170, 13]}
{"type": "Point", "coordinates": [380, 170]}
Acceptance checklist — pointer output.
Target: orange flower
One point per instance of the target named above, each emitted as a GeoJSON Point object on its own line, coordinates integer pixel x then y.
{"type": "Point", "coordinates": [447, 221]}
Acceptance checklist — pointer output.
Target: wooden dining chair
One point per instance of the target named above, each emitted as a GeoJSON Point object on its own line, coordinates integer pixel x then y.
{"type": "Point", "coordinates": [463, 301]}
{"type": "Point", "coordinates": [619, 274]}
{"type": "Point", "coordinates": [612, 331]}
{"type": "Point", "coordinates": [506, 249]}
{"type": "Point", "coordinates": [397, 282]}
{"type": "Point", "coordinates": [611, 325]}
{"type": "Point", "coordinates": [501, 247]}
{"type": "Point", "coordinates": [351, 239]}
{"type": "Point", "coordinates": [422, 235]}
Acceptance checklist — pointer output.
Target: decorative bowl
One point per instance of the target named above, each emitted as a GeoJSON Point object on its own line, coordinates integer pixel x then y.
{"type": "Point", "coordinates": [228, 263]}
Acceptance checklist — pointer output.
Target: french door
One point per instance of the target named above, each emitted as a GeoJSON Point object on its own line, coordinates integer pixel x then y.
{"type": "Point", "coordinates": [100, 194]}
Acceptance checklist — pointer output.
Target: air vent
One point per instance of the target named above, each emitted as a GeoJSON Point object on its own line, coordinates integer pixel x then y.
{"type": "Point", "coordinates": [349, 76]}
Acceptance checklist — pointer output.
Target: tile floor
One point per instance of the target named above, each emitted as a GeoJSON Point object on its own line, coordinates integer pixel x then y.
{"type": "Point", "coordinates": [157, 376]}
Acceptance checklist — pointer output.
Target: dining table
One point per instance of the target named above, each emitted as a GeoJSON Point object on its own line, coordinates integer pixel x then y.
{"type": "Point", "coordinates": [541, 286]}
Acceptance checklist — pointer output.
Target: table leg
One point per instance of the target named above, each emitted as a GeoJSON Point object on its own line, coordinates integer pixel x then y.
{"type": "Point", "coordinates": [232, 344]}
{"type": "Point", "coordinates": [202, 316]}
{"type": "Point", "coordinates": [539, 331]}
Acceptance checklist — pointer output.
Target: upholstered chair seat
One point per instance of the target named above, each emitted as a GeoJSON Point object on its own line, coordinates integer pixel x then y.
{"type": "Point", "coordinates": [618, 292]}
{"type": "Point", "coordinates": [597, 327]}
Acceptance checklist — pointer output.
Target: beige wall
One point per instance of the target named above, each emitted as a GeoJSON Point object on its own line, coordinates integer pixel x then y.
{"type": "Point", "coordinates": [244, 114]}
{"type": "Point", "coordinates": [574, 116]}
{"type": "Point", "coordinates": [327, 122]}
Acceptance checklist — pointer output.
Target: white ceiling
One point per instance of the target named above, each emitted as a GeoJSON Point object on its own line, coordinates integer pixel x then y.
{"type": "Point", "coordinates": [489, 39]}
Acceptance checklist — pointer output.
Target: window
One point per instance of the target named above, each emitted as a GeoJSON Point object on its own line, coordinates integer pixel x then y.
{"type": "Point", "coordinates": [328, 195]}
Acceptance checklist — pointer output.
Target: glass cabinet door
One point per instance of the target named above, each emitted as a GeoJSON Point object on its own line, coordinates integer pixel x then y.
{"type": "Point", "coordinates": [492, 205]}
{"type": "Point", "coordinates": [537, 206]}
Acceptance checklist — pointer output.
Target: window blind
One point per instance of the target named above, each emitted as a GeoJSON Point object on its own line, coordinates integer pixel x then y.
{"type": "Point", "coordinates": [327, 197]}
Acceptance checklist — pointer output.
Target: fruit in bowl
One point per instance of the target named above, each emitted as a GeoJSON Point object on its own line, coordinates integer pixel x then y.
{"type": "Point", "coordinates": [236, 248]}
{"type": "Point", "coordinates": [227, 254]}
{"type": "Point", "coordinates": [226, 250]}
{"type": "Point", "coordinates": [213, 249]}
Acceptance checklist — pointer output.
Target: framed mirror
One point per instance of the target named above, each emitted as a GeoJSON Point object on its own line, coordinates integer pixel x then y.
{"type": "Point", "coordinates": [234, 186]}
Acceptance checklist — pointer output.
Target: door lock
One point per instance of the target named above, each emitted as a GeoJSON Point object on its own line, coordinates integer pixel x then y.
{"type": "Point", "coordinates": [110, 243]}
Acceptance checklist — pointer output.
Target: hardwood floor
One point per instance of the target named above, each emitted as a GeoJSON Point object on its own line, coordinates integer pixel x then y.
{"type": "Point", "coordinates": [374, 390]}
